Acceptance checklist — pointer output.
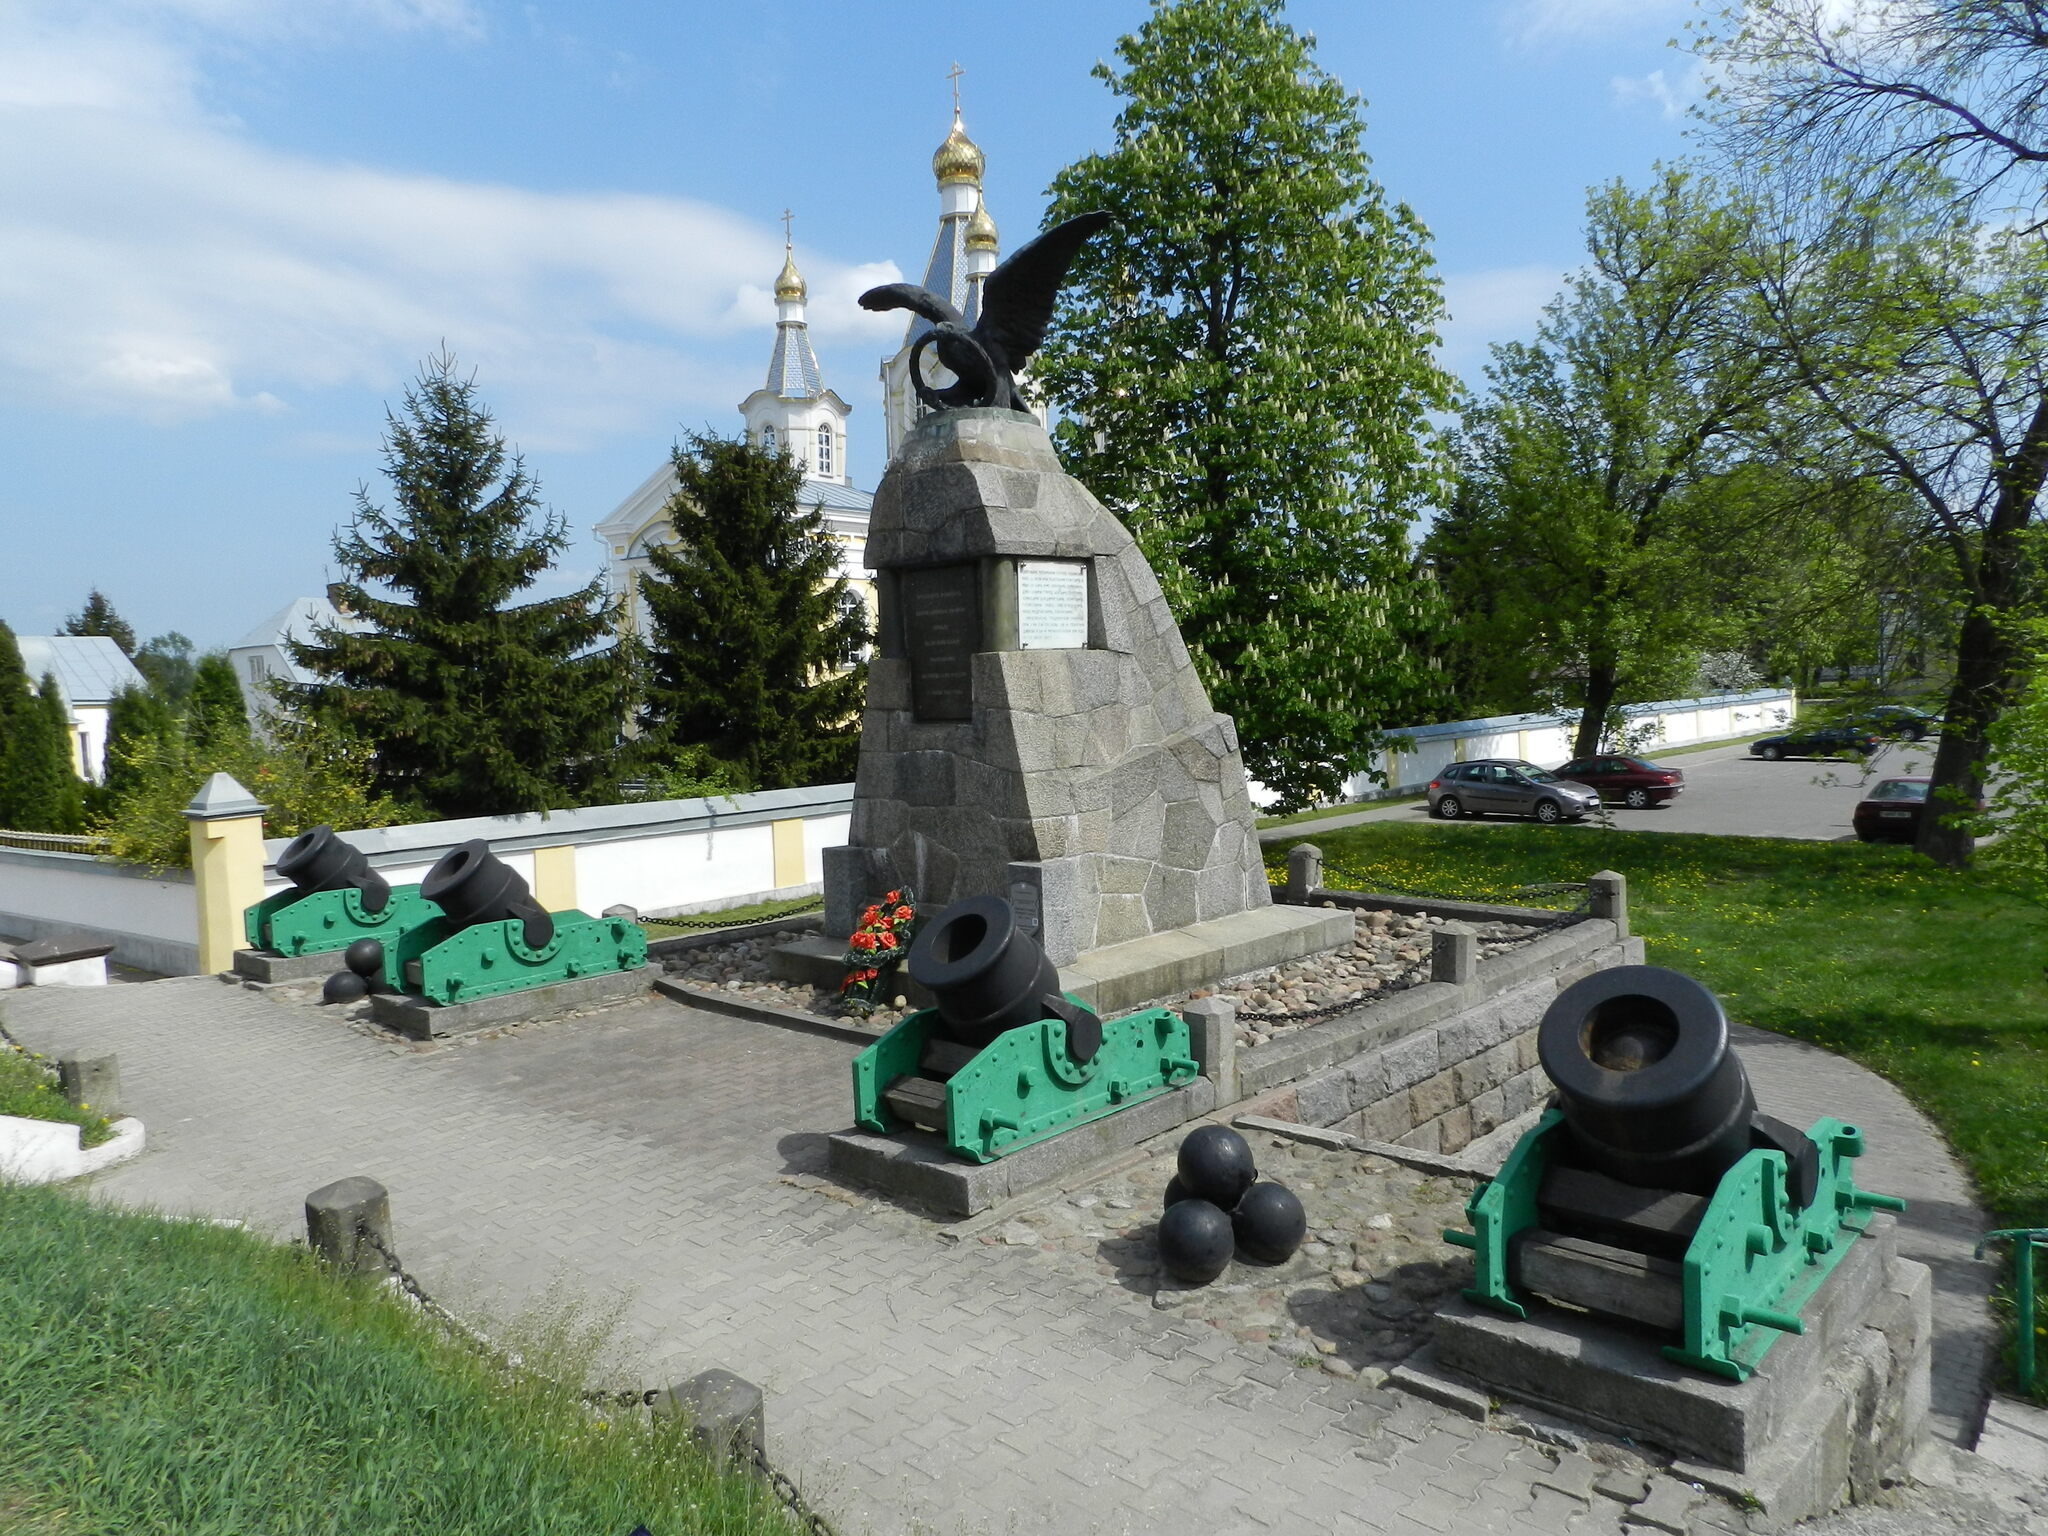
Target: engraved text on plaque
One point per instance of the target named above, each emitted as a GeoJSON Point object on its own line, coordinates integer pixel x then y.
{"type": "Point", "coordinates": [942, 631]}
{"type": "Point", "coordinates": [1052, 604]}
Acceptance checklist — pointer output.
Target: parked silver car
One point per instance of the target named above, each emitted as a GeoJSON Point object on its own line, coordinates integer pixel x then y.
{"type": "Point", "coordinates": [1502, 786]}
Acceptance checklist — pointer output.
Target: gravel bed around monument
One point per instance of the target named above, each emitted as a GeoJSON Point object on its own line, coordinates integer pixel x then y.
{"type": "Point", "coordinates": [1360, 1296]}
{"type": "Point", "coordinates": [1389, 953]}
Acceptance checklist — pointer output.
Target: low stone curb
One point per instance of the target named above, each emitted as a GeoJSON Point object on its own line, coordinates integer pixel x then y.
{"type": "Point", "coordinates": [712, 1001]}
{"type": "Point", "coordinates": [1344, 1141]}
{"type": "Point", "coordinates": [417, 1020]}
{"type": "Point", "coordinates": [48, 1151]}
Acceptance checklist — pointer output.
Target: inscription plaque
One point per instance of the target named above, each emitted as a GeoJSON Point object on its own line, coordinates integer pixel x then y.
{"type": "Point", "coordinates": [1052, 605]}
{"type": "Point", "coordinates": [942, 631]}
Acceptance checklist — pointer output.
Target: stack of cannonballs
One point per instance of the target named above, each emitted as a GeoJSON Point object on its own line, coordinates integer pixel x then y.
{"type": "Point", "coordinates": [1217, 1207]}
{"type": "Point", "coordinates": [364, 968]}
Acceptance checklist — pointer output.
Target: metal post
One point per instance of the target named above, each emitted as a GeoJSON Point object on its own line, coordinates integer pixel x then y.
{"type": "Point", "coordinates": [2024, 1241]}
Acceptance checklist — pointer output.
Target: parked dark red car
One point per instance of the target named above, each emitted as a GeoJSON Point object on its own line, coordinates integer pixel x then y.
{"type": "Point", "coordinates": [1631, 780]}
{"type": "Point", "coordinates": [1893, 810]}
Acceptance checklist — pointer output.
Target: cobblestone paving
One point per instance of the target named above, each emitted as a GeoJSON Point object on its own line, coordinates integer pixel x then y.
{"type": "Point", "coordinates": [663, 1155]}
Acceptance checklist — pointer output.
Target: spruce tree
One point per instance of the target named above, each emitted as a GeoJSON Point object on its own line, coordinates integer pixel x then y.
{"type": "Point", "coordinates": [99, 618]}
{"type": "Point", "coordinates": [17, 702]}
{"type": "Point", "coordinates": [472, 706]}
{"type": "Point", "coordinates": [165, 662]}
{"type": "Point", "coordinates": [140, 726]}
{"type": "Point", "coordinates": [754, 643]}
{"type": "Point", "coordinates": [215, 717]}
{"type": "Point", "coordinates": [48, 795]}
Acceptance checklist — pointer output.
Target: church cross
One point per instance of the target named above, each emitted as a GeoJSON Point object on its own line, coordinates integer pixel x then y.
{"type": "Point", "coordinates": [786, 217]}
{"type": "Point", "coordinates": [954, 75]}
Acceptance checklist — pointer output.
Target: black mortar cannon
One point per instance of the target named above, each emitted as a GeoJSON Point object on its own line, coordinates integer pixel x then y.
{"type": "Point", "coordinates": [494, 937]}
{"type": "Point", "coordinates": [1654, 1190]}
{"type": "Point", "coordinates": [1005, 1058]}
{"type": "Point", "coordinates": [335, 900]}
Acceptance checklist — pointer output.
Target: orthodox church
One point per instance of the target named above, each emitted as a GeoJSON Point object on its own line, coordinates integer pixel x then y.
{"type": "Point", "coordinates": [795, 411]}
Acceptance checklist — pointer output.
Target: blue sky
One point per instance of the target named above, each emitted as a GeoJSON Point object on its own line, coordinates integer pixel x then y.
{"type": "Point", "coordinates": [230, 230]}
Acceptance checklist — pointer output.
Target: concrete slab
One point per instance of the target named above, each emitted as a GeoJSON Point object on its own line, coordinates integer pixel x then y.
{"type": "Point", "coordinates": [1617, 1379]}
{"type": "Point", "coordinates": [915, 1168]}
{"type": "Point", "coordinates": [268, 966]}
{"type": "Point", "coordinates": [423, 1021]}
{"type": "Point", "coordinates": [2016, 1437]}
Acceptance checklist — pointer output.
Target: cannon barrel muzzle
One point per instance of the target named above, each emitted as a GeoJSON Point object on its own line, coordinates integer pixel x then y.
{"type": "Point", "coordinates": [472, 885]}
{"type": "Point", "coordinates": [987, 975]}
{"type": "Point", "coordinates": [1652, 1094]}
{"type": "Point", "coordinates": [317, 860]}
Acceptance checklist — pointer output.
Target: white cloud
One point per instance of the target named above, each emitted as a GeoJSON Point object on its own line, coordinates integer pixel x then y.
{"type": "Point", "coordinates": [155, 260]}
{"type": "Point", "coordinates": [1500, 304]}
{"type": "Point", "coordinates": [1672, 95]}
{"type": "Point", "coordinates": [1544, 21]}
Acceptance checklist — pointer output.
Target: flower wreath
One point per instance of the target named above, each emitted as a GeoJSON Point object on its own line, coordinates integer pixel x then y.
{"type": "Point", "coordinates": [874, 948]}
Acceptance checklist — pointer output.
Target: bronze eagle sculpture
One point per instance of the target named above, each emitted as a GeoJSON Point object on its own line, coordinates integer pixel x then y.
{"type": "Point", "coordinates": [1016, 306]}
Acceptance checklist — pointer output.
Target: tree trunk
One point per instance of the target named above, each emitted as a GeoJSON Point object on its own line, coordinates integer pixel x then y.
{"type": "Point", "coordinates": [1600, 687]}
{"type": "Point", "coordinates": [1985, 682]}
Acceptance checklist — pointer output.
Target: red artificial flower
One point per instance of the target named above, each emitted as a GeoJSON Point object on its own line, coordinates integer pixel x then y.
{"type": "Point", "coordinates": [869, 975]}
{"type": "Point", "coordinates": [863, 941]}
{"type": "Point", "coordinates": [888, 940]}
{"type": "Point", "coordinates": [871, 914]}
{"type": "Point", "coordinates": [892, 897]}
{"type": "Point", "coordinates": [904, 914]}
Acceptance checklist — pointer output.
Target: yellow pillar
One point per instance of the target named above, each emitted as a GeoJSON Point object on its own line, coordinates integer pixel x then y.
{"type": "Point", "coordinates": [789, 852]}
{"type": "Point", "coordinates": [554, 878]}
{"type": "Point", "coordinates": [227, 867]}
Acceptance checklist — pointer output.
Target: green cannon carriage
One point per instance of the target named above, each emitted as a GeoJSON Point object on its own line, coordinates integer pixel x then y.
{"type": "Point", "coordinates": [491, 937]}
{"type": "Point", "coordinates": [1653, 1189]}
{"type": "Point", "coordinates": [1006, 1059]}
{"type": "Point", "coordinates": [334, 899]}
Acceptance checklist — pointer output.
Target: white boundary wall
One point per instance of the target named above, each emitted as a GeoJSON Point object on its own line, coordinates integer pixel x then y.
{"type": "Point", "coordinates": [1419, 753]}
{"type": "Point", "coordinates": [662, 858]}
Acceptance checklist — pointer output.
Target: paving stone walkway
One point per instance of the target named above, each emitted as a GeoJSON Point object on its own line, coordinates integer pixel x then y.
{"type": "Point", "coordinates": [658, 1154]}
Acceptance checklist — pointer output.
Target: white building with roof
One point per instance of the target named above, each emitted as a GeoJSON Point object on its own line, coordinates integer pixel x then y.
{"type": "Point", "coordinates": [90, 670]}
{"type": "Point", "coordinates": [264, 654]}
{"type": "Point", "coordinates": [793, 412]}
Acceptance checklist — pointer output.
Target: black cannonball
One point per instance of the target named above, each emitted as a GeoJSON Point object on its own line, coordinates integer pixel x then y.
{"type": "Point", "coordinates": [366, 958]}
{"type": "Point", "coordinates": [1216, 1165]}
{"type": "Point", "coordinates": [1269, 1223]}
{"type": "Point", "coordinates": [1195, 1241]}
{"type": "Point", "coordinates": [344, 987]}
{"type": "Point", "coordinates": [1176, 1192]}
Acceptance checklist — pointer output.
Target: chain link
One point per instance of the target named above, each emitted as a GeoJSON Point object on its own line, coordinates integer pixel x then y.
{"type": "Point", "coordinates": [816, 904]}
{"type": "Point", "coordinates": [779, 1482]}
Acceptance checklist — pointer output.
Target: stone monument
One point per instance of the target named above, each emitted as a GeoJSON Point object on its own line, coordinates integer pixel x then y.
{"type": "Point", "coordinates": [1035, 729]}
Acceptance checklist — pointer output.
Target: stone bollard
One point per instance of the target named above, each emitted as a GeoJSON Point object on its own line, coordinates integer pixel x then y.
{"type": "Point", "coordinates": [1304, 872]}
{"type": "Point", "coordinates": [338, 1215]}
{"type": "Point", "coordinates": [1454, 954]}
{"type": "Point", "coordinates": [91, 1081]}
{"type": "Point", "coordinates": [725, 1415]}
{"type": "Point", "coordinates": [1609, 893]}
{"type": "Point", "coordinates": [1212, 1029]}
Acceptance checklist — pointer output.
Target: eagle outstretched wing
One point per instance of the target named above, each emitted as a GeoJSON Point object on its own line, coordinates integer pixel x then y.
{"type": "Point", "coordinates": [1018, 297]}
{"type": "Point", "coordinates": [909, 296]}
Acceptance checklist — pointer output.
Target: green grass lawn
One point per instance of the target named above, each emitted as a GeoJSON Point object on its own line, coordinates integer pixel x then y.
{"type": "Point", "coordinates": [28, 1089]}
{"type": "Point", "coordinates": [1933, 979]}
{"type": "Point", "coordinates": [183, 1379]}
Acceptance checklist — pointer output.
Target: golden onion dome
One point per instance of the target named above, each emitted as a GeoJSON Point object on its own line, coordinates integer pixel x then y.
{"type": "Point", "coordinates": [790, 285]}
{"type": "Point", "coordinates": [981, 230]}
{"type": "Point", "coordinates": [957, 159]}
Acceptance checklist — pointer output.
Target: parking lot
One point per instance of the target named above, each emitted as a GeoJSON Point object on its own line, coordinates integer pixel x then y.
{"type": "Point", "coordinates": [1726, 791]}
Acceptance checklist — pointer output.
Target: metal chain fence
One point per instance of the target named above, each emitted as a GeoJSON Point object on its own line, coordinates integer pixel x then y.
{"type": "Point", "coordinates": [816, 904]}
{"type": "Point", "coordinates": [779, 1482]}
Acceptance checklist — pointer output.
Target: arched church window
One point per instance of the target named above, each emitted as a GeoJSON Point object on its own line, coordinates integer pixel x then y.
{"type": "Point", "coordinates": [767, 439]}
{"type": "Point", "coordinates": [825, 449]}
{"type": "Point", "coordinates": [851, 604]}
